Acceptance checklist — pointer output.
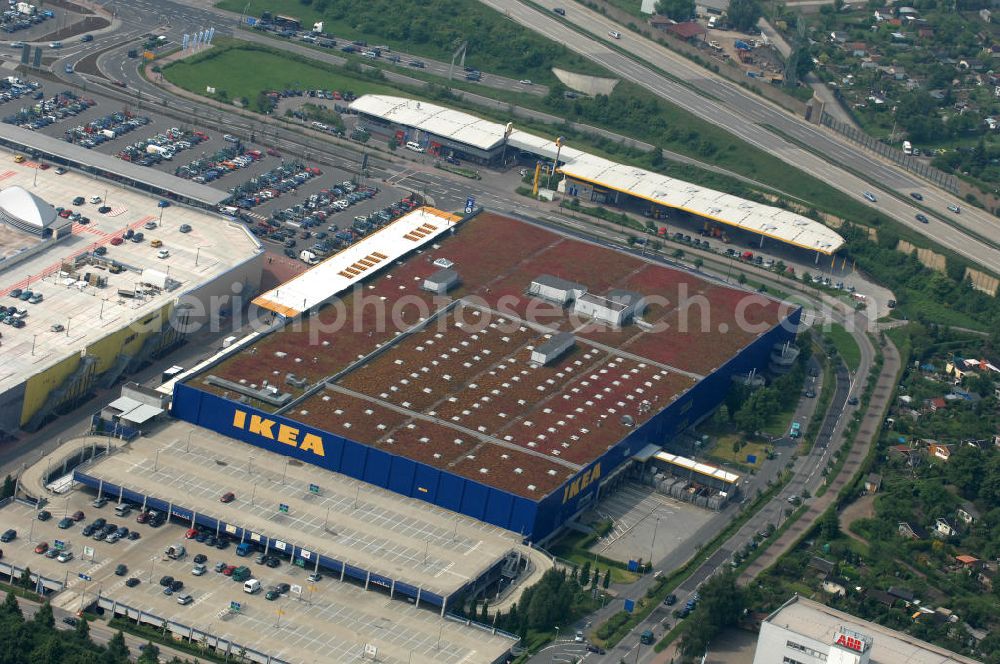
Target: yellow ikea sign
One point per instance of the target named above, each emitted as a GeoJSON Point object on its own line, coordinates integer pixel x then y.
{"type": "Point", "coordinates": [581, 482]}
{"type": "Point", "coordinates": [282, 433]}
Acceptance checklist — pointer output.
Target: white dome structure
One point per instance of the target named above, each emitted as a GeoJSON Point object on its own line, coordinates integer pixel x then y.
{"type": "Point", "coordinates": [25, 211]}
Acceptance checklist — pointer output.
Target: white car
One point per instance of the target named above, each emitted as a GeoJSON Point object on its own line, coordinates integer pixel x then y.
{"type": "Point", "coordinates": [95, 199]}
{"type": "Point", "coordinates": [870, 196]}
{"type": "Point", "coordinates": [163, 253]}
{"type": "Point", "coordinates": [614, 34]}
{"type": "Point", "coordinates": [65, 556]}
{"type": "Point", "coordinates": [525, 81]}
{"type": "Point", "coordinates": [955, 208]}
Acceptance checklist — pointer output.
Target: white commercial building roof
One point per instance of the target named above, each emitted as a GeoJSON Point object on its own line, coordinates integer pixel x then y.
{"type": "Point", "coordinates": [812, 621]}
{"type": "Point", "coordinates": [766, 220]}
{"type": "Point", "coordinates": [437, 120]}
{"type": "Point", "coordinates": [346, 268]}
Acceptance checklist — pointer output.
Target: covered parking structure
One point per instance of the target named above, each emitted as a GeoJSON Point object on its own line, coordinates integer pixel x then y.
{"type": "Point", "coordinates": [41, 147]}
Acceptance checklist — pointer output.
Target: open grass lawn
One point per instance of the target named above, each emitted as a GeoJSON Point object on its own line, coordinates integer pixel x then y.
{"type": "Point", "coordinates": [244, 71]}
{"type": "Point", "coordinates": [434, 29]}
{"type": "Point", "coordinates": [846, 346]}
{"type": "Point", "coordinates": [723, 451]}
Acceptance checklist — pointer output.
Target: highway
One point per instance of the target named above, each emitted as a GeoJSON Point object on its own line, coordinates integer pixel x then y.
{"type": "Point", "coordinates": [974, 233]}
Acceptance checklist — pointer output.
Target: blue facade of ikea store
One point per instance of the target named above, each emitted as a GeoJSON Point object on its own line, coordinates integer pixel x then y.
{"type": "Point", "coordinates": [536, 520]}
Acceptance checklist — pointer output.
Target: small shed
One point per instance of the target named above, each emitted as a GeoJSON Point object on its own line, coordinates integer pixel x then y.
{"type": "Point", "coordinates": [554, 289]}
{"type": "Point", "coordinates": [873, 483]}
{"type": "Point", "coordinates": [688, 31]}
{"type": "Point", "coordinates": [441, 281]}
{"type": "Point", "coordinates": [553, 348]}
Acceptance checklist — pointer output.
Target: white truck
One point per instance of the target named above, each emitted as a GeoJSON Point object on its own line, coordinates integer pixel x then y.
{"type": "Point", "coordinates": [308, 257]}
{"type": "Point", "coordinates": [175, 551]}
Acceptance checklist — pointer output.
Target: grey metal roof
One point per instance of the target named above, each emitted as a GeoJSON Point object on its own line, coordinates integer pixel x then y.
{"type": "Point", "coordinates": [557, 283]}
{"type": "Point", "coordinates": [445, 276]}
{"type": "Point", "coordinates": [625, 297]}
{"type": "Point", "coordinates": [557, 344]}
{"type": "Point", "coordinates": [20, 138]}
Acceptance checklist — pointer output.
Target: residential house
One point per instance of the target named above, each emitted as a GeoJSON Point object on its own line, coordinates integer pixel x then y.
{"type": "Point", "coordinates": [911, 531]}
{"type": "Point", "coordinates": [903, 451]}
{"type": "Point", "coordinates": [839, 37]}
{"type": "Point", "coordinates": [881, 597]}
{"type": "Point", "coordinates": [967, 561]}
{"type": "Point", "coordinates": [873, 483]}
{"type": "Point", "coordinates": [985, 15]}
{"type": "Point", "coordinates": [939, 451]}
{"type": "Point", "coordinates": [904, 594]}
{"type": "Point", "coordinates": [857, 49]}
{"type": "Point", "coordinates": [972, 64]}
{"type": "Point", "coordinates": [977, 635]}
{"type": "Point", "coordinates": [935, 404]}
{"type": "Point", "coordinates": [688, 31]}
{"type": "Point", "coordinates": [660, 22]}
{"type": "Point", "coordinates": [967, 513]}
{"type": "Point", "coordinates": [943, 529]}
{"type": "Point", "coordinates": [824, 567]}
{"type": "Point", "coordinates": [987, 574]}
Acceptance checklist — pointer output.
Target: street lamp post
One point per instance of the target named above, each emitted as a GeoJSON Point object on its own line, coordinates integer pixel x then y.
{"type": "Point", "coordinates": [285, 469]}
{"type": "Point", "coordinates": [250, 466]}
{"type": "Point", "coordinates": [653, 545]}
{"type": "Point", "coordinates": [156, 461]}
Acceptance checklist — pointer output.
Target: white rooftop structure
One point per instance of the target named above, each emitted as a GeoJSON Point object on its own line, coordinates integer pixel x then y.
{"type": "Point", "coordinates": [25, 211]}
{"type": "Point", "coordinates": [437, 120]}
{"type": "Point", "coordinates": [766, 220]}
{"type": "Point", "coordinates": [362, 259]}
{"type": "Point", "coordinates": [698, 467]}
{"type": "Point", "coordinates": [811, 633]}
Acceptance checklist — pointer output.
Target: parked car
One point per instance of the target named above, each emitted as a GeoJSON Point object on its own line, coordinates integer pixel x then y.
{"type": "Point", "coordinates": [41, 547]}
{"type": "Point", "coordinates": [121, 570]}
{"type": "Point", "coordinates": [44, 515]}
{"type": "Point", "coordinates": [132, 582]}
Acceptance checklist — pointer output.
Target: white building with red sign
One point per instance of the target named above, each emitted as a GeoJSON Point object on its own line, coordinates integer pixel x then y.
{"type": "Point", "coordinates": [806, 632]}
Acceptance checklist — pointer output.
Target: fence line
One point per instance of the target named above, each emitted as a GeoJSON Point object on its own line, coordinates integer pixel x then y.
{"type": "Point", "coordinates": [944, 180]}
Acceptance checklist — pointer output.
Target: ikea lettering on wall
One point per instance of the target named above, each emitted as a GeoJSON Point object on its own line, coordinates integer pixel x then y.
{"type": "Point", "coordinates": [581, 482]}
{"type": "Point", "coordinates": [282, 433]}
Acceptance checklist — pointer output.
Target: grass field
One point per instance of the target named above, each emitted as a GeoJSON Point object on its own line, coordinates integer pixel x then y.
{"type": "Point", "coordinates": [722, 451]}
{"type": "Point", "coordinates": [241, 71]}
{"type": "Point", "coordinates": [846, 346]}
{"type": "Point", "coordinates": [434, 29]}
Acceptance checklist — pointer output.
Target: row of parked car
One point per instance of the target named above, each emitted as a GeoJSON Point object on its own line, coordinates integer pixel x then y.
{"type": "Point", "coordinates": [162, 146]}
{"type": "Point", "coordinates": [105, 128]}
{"type": "Point", "coordinates": [215, 166]}
{"type": "Point", "coordinates": [48, 111]}
{"type": "Point", "coordinates": [12, 88]}
{"type": "Point", "coordinates": [282, 179]}
{"type": "Point", "coordinates": [314, 212]}
{"type": "Point", "coordinates": [12, 20]}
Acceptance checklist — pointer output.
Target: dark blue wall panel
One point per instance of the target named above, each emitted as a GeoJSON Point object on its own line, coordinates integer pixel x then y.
{"type": "Point", "coordinates": [474, 499]}
{"type": "Point", "coordinates": [498, 508]}
{"type": "Point", "coordinates": [425, 483]}
{"type": "Point", "coordinates": [353, 461]}
{"type": "Point", "coordinates": [450, 488]}
{"type": "Point", "coordinates": [377, 467]}
{"type": "Point", "coordinates": [401, 476]}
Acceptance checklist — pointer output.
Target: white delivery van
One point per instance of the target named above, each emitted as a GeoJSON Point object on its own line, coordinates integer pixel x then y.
{"type": "Point", "coordinates": [413, 145]}
{"type": "Point", "coordinates": [251, 586]}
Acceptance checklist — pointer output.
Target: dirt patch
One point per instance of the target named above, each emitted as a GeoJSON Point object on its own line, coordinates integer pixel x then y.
{"type": "Point", "coordinates": [87, 24]}
{"type": "Point", "coordinates": [862, 508]}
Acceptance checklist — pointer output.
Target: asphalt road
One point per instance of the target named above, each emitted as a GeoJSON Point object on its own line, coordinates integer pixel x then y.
{"type": "Point", "coordinates": [724, 103]}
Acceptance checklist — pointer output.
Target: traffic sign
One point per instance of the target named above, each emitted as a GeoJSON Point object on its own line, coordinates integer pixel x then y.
{"type": "Point", "coordinates": [84, 577]}
{"type": "Point", "coordinates": [470, 205]}
{"type": "Point", "coordinates": [58, 545]}
{"type": "Point", "coordinates": [629, 605]}
{"type": "Point", "coordinates": [313, 488]}
{"type": "Point", "coordinates": [283, 508]}
{"type": "Point", "coordinates": [297, 589]}
{"type": "Point", "coordinates": [88, 550]}
{"type": "Point", "coordinates": [234, 606]}
{"type": "Point", "coordinates": [633, 565]}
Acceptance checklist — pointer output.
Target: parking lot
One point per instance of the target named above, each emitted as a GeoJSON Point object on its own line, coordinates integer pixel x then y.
{"type": "Point", "coordinates": [369, 527]}
{"type": "Point", "coordinates": [325, 620]}
{"type": "Point", "coordinates": [639, 514]}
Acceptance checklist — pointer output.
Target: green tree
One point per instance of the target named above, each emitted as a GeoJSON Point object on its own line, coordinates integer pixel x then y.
{"type": "Point", "coordinates": [829, 525]}
{"type": "Point", "coordinates": [607, 579]}
{"type": "Point", "coordinates": [150, 654]}
{"type": "Point", "coordinates": [593, 580]}
{"type": "Point", "coordinates": [744, 14]}
{"type": "Point", "coordinates": [82, 630]}
{"type": "Point", "coordinates": [44, 615]}
{"type": "Point", "coordinates": [678, 10]}
{"type": "Point", "coordinates": [965, 469]}
{"type": "Point", "coordinates": [722, 603]}
{"type": "Point", "coordinates": [25, 581]}
{"type": "Point", "coordinates": [742, 279]}
{"type": "Point", "coordinates": [585, 573]}
{"type": "Point", "coordinates": [8, 487]}
{"type": "Point", "coordinates": [11, 607]}
{"type": "Point", "coordinates": [117, 651]}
